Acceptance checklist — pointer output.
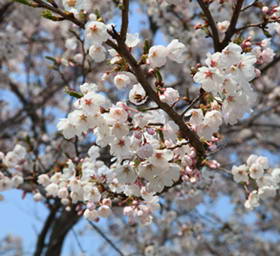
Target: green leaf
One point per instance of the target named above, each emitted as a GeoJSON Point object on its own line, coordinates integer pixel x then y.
{"type": "Point", "coordinates": [73, 93]}
{"type": "Point", "coordinates": [158, 76]}
{"type": "Point", "coordinates": [147, 46]}
{"type": "Point", "coordinates": [26, 2]}
{"type": "Point", "coordinates": [51, 59]}
{"type": "Point", "coordinates": [49, 15]}
{"type": "Point", "coordinates": [266, 33]}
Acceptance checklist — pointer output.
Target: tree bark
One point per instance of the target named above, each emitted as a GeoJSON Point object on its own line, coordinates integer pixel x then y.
{"type": "Point", "coordinates": [61, 226]}
{"type": "Point", "coordinates": [57, 225]}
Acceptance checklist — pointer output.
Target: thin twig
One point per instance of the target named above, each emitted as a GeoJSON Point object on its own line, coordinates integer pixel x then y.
{"type": "Point", "coordinates": [255, 25]}
{"type": "Point", "coordinates": [65, 15]}
{"type": "Point", "coordinates": [195, 100]}
{"type": "Point", "coordinates": [77, 240]}
{"type": "Point", "coordinates": [108, 240]}
{"type": "Point", "coordinates": [249, 6]}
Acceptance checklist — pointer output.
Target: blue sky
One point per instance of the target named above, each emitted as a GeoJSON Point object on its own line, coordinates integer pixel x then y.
{"type": "Point", "coordinates": [24, 217]}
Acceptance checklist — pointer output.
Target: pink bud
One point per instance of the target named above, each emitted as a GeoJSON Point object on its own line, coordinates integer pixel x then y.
{"type": "Point", "coordinates": [138, 135]}
{"type": "Point", "coordinates": [193, 154]}
{"type": "Point", "coordinates": [107, 201]}
{"type": "Point", "coordinates": [265, 9]}
{"type": "Point", "coordinates": [90, 206]}
{"type": "Point", "coordinates": [258, 72]}
{"type": "Point", "coordinates": [151, 131]}
{"type": "Point", "coordinates": [213, 164]}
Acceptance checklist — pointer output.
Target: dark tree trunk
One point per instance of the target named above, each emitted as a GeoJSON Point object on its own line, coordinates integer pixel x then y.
{"type": "Point", "coordinates": [61, 226]}
{"type": "Point", "coordinates": [5, 10]}
{"type": "Point", "coordinates": [57, 226]}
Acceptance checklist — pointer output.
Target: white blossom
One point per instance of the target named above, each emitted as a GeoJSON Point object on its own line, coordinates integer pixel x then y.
{"type": "Point", "coordinates": [95, 33]}
{"type": "Point", "coordinates": [137, 95]}
{"type": "Point", "coordinates": [240, 173]}
{"type": "Point", "coordinates": [121, 81]}
{"type": "Point", "coordinates": [176, 51]}
{"type": "Point", "coordinates": [157, 56]}
{"type": "Point", "coordinates": [97, 53]}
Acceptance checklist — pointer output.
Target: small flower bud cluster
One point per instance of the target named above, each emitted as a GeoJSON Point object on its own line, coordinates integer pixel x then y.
{"type": "Point", "coordinates": [76, 6]}
{"type": "Point", "coordinates": [73, 187]}
{"type": "Point", "coordinates": [142, 211]}
{"type": "Point", "coordinates": [263, 52]}
{"type": "Point", "coordinates": [257, 174]}
{"type": "Point", "coordinates": [14, 161]}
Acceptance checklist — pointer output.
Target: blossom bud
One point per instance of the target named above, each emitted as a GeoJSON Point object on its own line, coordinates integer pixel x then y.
{"type": "Point", "coordinates": [265, 9]}
{"type": "Point", "coordinates": [91, 215]}
{"type": "Point", "coordinates": [145, 151]}
{"type": "Point", "coordinates": [104, 211]}
{"type": "Point", "coordinates": [65, 201]}
{"type": "Point", "coordinates": [37, 197]}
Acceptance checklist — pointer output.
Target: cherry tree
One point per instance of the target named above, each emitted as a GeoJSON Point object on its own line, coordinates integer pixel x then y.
{"type": "Point", "coordinates": [101, 119]}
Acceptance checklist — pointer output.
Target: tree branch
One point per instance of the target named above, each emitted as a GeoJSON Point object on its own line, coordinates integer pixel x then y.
{"type": "Point", "coordinates": [231, 29]}
{"type": "Point", "coordinates": [125, 14]}
{"type": "Point", "coordinates": [212, 24]}
{"type": "Point", "coordinates": [61, 226]}
{"type": "Point", "coordinates": [65, 15]}
{"type": "Point", "coordinates": [186, 132]}
{"type": "Point", "coordinates": [109, 241]}
{"type": "Point", "coordinates": [4, 10]}
{"type": "Point", "coordinates": [42, 237]}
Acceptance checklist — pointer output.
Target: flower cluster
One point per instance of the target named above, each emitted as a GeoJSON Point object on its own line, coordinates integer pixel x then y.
{"type": "Point", "coordinates": [14, 161]}
{"type": "Point", "coordinates": [263, 52]}
{"type": "Point", "coordinates": [257, 174]}
{"type": "Point", "coordinates": [72, 186]}
{"type": "Point", "coordinates": [206, 125]}
{"type": "Point", "coordinates": [227, 75]}
{"type": "Point", "coordinates": [158, 54]}
{"type": "Point", "coordinates": [93, 186]}
{"type": "Point", "coordinates": [148, 155]}
{"type": "Point", "coordinates": [95, 35]}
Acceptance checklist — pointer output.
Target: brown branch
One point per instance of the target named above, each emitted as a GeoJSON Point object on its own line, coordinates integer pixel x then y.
{"type": "Point", "coordinates": [249, 6]}
{"type": "Point", "coordinates": [17, 92]}
{"type": "Point", "coordinates": [65, 15]}
{"type": "Point", "coordinates": [267, 67]}
{"type": "Point", "coordinates": [121, 48]}
{"type": "Point", "coordinates": [42, 236]}
{"type": "Point", "coordinates": [5, 10]}
{"type": "Point", "coordinates": [271, 64]}
{"type": "Point", "coordinates": [61, 226]}
{"type": "Point", "coordinates": [195, 100]}
{"type": "Point", "coordinates": [186, 132]}
{"type": "Point", "coordinates": [231, 29]}
{"type": "Point", "coordinates": [255, 25]}
{"type": "Point", "coordinates": [125, 14]}
{"type": "Point", "coordinates": [212, 24]}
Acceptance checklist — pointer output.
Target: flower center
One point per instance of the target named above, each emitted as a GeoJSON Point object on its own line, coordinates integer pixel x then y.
{"type": "Point", "coordinates": [94, 28]}
{"type": "Point", "coordinates": [71, 3]}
